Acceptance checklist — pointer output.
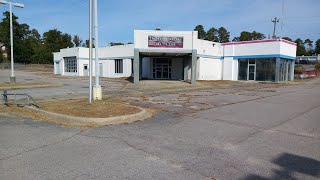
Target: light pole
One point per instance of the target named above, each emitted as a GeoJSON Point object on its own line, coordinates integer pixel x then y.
{"type": "Point", "coordinates": [97, 91]}
{"type": "Point", "coordinates": [90, 51]}
{"type": "Point", "coordinates": [19, 5]}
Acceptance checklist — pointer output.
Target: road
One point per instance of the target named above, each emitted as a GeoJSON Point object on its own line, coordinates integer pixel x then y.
{"type": "Point", "coordinates": [221, 133]}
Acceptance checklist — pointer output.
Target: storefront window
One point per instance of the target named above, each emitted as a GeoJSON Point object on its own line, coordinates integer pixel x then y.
{"type": "Point", "coordinates": [289, 69]}
{"type": "Point", "coordinates": [243, 69]}
{"type": "Point", "coordinates": [261, 69]}
{"type": "Point", "coordinates": [265, 69]}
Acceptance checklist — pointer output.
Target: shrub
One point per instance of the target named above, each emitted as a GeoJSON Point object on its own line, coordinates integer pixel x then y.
{"type": "Point", "coordinates": [317, 67]}
{"type": "Point", "coordinates": [298, 69]}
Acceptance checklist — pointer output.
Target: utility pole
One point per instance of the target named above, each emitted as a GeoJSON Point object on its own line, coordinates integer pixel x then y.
{"type": "Point", "coordinates": [275, 21]}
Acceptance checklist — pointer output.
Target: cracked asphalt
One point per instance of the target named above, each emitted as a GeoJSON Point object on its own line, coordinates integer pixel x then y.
{"type": "Point", "coordinates": [234, 131]}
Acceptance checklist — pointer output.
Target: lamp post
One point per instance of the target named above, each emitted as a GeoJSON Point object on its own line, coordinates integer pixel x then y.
{"type": "Point", "coordinates": [19, 5]}
{"type": "Point", "coordinates": [97, 91]}
{"type": "Point", "coordinates": [90, 51]}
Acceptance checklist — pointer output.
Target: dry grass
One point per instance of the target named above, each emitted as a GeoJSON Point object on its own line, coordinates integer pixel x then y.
{"type": "Point", "coordinates": [82, 108]}
{"type": "Point", "coordinates": [76, 107]}
{"type": "Point", "coordinates": [8, 86]}
{"type": "Point", "coordinates": [216, 82]}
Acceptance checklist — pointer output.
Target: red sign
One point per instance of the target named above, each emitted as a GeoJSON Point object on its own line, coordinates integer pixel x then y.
{"type": "Point", "coordinates": [165, 42]}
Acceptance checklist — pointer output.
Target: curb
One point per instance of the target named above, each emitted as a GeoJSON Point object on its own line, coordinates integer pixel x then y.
{"type": "Point", "coordinates": [81, 121]}
{"type": "Point", "coordinates": [26, 86]}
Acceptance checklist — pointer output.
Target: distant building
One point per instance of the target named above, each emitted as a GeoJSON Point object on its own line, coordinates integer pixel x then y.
{"type": "Point", "coordinates": [180, 55]}
{"type": "Point", "coordinates": [308, 59]}
{"type": "Point", "coordinates": [3, 50]}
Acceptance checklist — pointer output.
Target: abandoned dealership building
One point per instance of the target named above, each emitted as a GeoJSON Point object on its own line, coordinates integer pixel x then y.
{"type": "Point", "coordinates": [180, 55]}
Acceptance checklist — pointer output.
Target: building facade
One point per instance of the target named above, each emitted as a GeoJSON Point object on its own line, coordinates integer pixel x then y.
{"type": "Point", "coordinates": [180, 55]}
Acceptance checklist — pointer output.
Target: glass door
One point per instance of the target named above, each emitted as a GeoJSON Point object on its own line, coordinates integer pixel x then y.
{"type": "Point", "coordinates": [162, 68]}
{"type": "Point", "coordinates": [252, 72]}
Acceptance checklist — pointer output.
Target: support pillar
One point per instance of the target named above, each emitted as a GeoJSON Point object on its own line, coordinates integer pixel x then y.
{"type": "Point", "coordinates": [186, 68]}
{"type": "Point", "coordinates": [292, 70]}
{"type": "Point", "coordinates": [194, 67]}
{"type": "Point", "coordinates": [136, 66]}
{"type": "Point", "coordinates": [277, 70]}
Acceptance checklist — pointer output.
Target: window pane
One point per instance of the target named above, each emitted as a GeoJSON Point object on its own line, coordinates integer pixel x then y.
{"type": "Point", "coordinates": [243, 69]}
{"type": "Point", "coordinates": [70, 64]}
{"type": "Point", "coordinates": [118, 66]}
{"type": "Point", "coordinates": [265, 69]}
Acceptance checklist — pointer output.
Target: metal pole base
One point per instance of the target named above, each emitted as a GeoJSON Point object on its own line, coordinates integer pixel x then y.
{"type": "Point", "coordinates": [97, 93]}
{"type": "Point", "coordinates": [12, 79]}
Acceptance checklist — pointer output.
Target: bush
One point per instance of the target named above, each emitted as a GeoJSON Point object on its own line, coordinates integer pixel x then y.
{"type": "Point", "coordinates": [317, 67]}
{"type": "Point", "coordinates": [298, 69]}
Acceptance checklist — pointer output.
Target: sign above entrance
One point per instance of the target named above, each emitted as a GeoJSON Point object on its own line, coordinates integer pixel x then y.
{"type": "Point", "coordinates": [165, 42]}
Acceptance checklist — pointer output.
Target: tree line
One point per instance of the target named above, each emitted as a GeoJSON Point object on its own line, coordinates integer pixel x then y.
{"type": "Point", "coordinates": [32, 47]}
{"type": "Point", "coordinates": [304, 47]}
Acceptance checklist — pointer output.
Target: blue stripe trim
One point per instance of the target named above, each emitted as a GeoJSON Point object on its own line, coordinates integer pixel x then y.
{"type": "Point", "coordinates": [263, 56]}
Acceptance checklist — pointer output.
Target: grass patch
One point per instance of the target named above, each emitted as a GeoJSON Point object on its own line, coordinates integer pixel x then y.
{"type": "Point", "coordinates": [82, 108]}
{"type": "Point", "coordinates": [74, 107]}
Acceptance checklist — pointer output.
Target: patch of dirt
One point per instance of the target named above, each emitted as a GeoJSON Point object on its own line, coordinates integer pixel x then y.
{"type": "Point", "coordinates": [8, 86]}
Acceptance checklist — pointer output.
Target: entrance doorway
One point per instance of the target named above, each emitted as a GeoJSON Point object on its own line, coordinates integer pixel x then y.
{"type": "Point", "coordinates": [162, 68]}
{"type": "Point", "coordinates": [252, 72]}
{"type": "Point", "coordinates": [85, 70]}
{"type": "Point", "coordinates": [57, 68]}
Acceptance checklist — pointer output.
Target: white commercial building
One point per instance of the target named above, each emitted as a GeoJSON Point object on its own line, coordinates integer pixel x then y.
{"type": "Point", "coordinates": [180, 55]}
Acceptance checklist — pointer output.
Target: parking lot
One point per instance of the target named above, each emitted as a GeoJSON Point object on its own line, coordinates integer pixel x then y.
{"type": "Point", "coordinates": [214, 130]}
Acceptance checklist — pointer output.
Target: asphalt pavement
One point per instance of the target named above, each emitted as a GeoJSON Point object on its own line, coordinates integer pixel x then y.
{"type": "Point", "coordinates": [252, 131]}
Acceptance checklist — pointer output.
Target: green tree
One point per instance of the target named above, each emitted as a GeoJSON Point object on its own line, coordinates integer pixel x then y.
{"type": "Point", "coordinates": [212, 35]}
{"type": "Point", "coordinates": [26, 41]}
{"type": "Point", "coordinates": [201, 32]}
{"type": "Point", "coordinates": [53, 41]}
{"type": "Point", "coordinates": [287, 38]}
{"type": "Point", "coordinates": [309, 49]}
{"type": "Point", "coordinates": [223, 35]}
{"type": "Point", "coordinates": [86, 44]}
{"type": "Point", "coordinates": [245, 36]}
{"type": "Point", "coordinates": [2, 59]}
{"type": "Point", "coordinates": [116, 43]}
{"type": "Point", "coordinates": [317, 47]}
{"type": "Point", "coordinates": [249, 36]}
{"type": "Point", "coordinates": [257, 36]}
{"type": "Point", "coordinates": [77, 41]}
{"type": "Point", "coordinates": [236, 39]}
{"type": "Point", "coordinates": [301, 50]}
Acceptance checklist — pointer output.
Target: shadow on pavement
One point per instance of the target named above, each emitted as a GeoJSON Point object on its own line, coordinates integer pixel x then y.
{"type": "Point", "coordinates": [290, 164]}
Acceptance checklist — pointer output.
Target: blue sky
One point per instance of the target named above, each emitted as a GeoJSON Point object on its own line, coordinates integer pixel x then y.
{"type": "Point", "coordinates": [118, 18]}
